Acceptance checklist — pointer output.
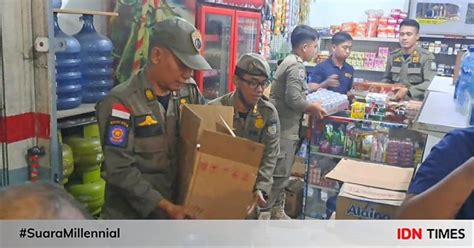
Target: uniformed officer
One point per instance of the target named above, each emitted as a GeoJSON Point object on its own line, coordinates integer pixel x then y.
{"type": "Point", "coordinates": [335, 73]}
{"type": "Point", "coordinates": [138, 122]}
{"type": "Point", "coordinates": [288, 94]}
{"type": "Point", "coordinates": [255, 118]}
{"type": "Point", "coordinates": [410, 65]}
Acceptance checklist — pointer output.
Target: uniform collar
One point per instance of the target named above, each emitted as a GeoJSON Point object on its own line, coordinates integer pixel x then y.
{"type": "Point", "coordinates": [232, 101]}
{"type": "Point", "coordinates": [298, 58]}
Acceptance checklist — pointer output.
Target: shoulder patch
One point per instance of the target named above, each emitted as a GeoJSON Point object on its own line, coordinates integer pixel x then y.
{"type": "Point", "coordinates": [117, 132]}
{"type": "Point", "coordinates": [149, 95]}
{"type": "Point", "coordinates": [302, 74]}
{"type": "Point", "coordinates": [272, 129]}
{"type": "Point", "coordinates": [120, 111]}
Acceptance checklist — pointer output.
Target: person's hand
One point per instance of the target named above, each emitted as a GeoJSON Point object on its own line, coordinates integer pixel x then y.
{"type": "Point", "coordinates": [316, 110]}
{"type": "Point", "coordinates": [258, 196]}
{"type": "Point", "coordinates": [312, 87]}
{"type": "Point", "coordinates": [400, 95]}
{"type": "Point", "coordinates": [176, 211]}
{"type": "Point", "coordinates": [331, 81]}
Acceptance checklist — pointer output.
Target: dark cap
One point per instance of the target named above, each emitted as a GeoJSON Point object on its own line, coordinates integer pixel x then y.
{"type": "Point", "coordinates": [254, 64]}
{"type": "Point", "coordinates": [183, 39]}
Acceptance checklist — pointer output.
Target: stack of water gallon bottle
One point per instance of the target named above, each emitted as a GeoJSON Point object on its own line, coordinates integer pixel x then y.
{"type": "Point", "coordinates": [83, 65]}
{"type": "Point", "coordinates": [464, 94]}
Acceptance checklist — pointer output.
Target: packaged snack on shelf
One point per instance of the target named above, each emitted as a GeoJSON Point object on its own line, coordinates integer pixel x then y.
{"type": "Point", "coordinates": [361, 89]}
{"type": "Point", "coordinates": [358, 110]}
{"type": "Point", "coordinates": [395, 13]}
{"type": "Point", "coordinates": [413, 107]}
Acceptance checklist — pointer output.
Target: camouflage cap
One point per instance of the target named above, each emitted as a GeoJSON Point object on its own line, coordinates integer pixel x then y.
{"type": "Point", "coordinates": [183, 39]}
{"type": "Point", "coordinates": [254, 64]}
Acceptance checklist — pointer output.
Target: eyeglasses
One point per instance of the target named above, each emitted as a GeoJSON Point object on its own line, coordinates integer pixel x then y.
{"type": "Point", "coordinates": [254, 83]}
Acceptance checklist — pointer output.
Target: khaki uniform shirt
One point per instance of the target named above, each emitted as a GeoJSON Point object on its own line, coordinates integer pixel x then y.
{"type": "Point", "coordinates": [139, 140]}
{"type": "Point", "coordinates": [262, 126]}
{"type": "Point", "coordinates": [288, 94]}
{"type": "Point", "coordinates": [416, 72]}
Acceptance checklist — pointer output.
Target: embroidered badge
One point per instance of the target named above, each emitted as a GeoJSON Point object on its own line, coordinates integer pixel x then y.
{"type": "Point", "coordinates": [302, 74]}
{"type": "Point", "coordinates": [348, 75]}
{"type": "Point", "coordinates": [117, 133]}
{"type": "Point", "coordinates": [397, 59]}
{"type": "Point", "coordinates": [150, 96]}
{"type": "Point", "coordinates": [272, 130]}
{"type": "Point", "coordinates": [416, 57]}
{"type": "Point", "coordinates": [197, 40]}
{"type": "Point", "coordinates": [148, 121]}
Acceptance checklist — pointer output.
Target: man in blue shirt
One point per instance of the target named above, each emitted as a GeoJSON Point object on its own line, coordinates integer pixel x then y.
{"type": "Point", "coordinates": [335, 73]}
{"type": "Point", "coordinates": [443, 185]}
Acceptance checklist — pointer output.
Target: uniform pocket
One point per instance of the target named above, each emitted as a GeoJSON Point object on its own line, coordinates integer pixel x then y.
{"type": "Point", "coordinates": [396, 73]}
{"type": "Point", "coordinates": [152, 154]}
{"type": "Point", "coordinates": [414, 75]}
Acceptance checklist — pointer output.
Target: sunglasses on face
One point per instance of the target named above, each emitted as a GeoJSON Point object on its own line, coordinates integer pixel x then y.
{"type": "Point", "coordinates": [253, 84]}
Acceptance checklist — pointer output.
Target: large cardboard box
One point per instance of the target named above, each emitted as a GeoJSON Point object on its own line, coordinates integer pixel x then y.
{"type": "Point", "coordinates": [216, 171]}
{"type": "Point", "coordinates": [370, 191]}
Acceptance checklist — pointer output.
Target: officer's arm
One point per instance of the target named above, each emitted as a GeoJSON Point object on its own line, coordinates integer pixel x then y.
{"type": "Point", "coordinates": [387, 75]}
{"type": "Point", "coordinates": [427, 205]}
{"type": "Point", "coordinates": [271, 140]}
{"type": "Point", "coordinates": [428, 73]}
{"type": "Point", "coordinates": [294, 95]}
{"type": "Point", "coordinates": [120, 164]}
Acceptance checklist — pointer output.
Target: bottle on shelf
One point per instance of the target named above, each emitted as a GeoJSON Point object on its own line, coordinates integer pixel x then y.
{"type": "Point", "coordinates": [68, 71]}
{"type": "Point", "coordinates": [96, 67]}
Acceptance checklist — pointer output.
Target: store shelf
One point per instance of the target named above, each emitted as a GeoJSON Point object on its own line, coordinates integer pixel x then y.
{"type": "Point", "coordinates": [87, 12]}
{"type": "Point", "coordinates": [82, 109]}
{"type": "Point", "coordinates": [453, 37]}
{"type": "Point", "coordinates": [349, 119]}
{"type": "Point", "coordinates": [370, 70]}
{"type": "Point", "coordinates": [374, 39]}
{"type": "Point", "coordinates": [324, 188]}
{"type": "Point", "coordinates": [346, 157]}
{"type": "Point", "coordinates": [210, 73]}
{"type": "Point", "coordinates": [75, 122]}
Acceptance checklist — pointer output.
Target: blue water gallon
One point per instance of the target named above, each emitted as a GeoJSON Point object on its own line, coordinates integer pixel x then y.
{"type": "Point", "coordinates": [465, 85]}
{"type": "Point", "coordinates": [56, 4]}
{"type": "Point", "coordinates": [68, 70]}
{"type": "Point", "coordinates": [96, 66]}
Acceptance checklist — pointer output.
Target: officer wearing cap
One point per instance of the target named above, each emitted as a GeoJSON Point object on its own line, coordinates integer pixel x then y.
{"type": "Point", "coordinates": [288, 94]}
{"type": "Point", "coordinates": [255, 118]}
{"type": "Point", "coordinates": [410, 65]}
{"type": "Point", "coordinates": [138, 123]}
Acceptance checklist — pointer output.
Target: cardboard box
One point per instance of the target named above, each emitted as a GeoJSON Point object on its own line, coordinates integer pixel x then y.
{"type": "Point", "coordinates": [370, 191]}
{"type": "Point", "coordinates": [216, 171]}
{"type": "Point", "coordinates": [299, 168]}
{"type": "Point", "coordinates": [294, 197]}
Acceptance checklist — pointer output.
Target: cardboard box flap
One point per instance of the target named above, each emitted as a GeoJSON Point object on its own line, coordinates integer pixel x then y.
{"type": "Point", "coordinates": [372, 193]}
{"type": "Point", "coordinates": [196, 118]}
{"type": "Point", "coordinates": [232, 148]}
{"type": "Point", "coordinates": [374, 175]}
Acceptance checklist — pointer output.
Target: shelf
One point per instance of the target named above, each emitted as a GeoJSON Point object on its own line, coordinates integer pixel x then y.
{"type": "Point", "coordinates": [75, 122]}
{"type": "Point", "coordinates": [346, 157]}
{"type": "Point", "coordinates": [210, 73]}
{"type": "Point", "coordinates": [342, 118]}
{"type": "Point", "coordinates": [370, 70]}
{"type": "Point", "coordinates": [374, 39]}
{"type": "Point", "coordinates": [82, 109]}
{"type": "Point", "coordinates": [323, 188]}
{"type": "Point", "coordinates": [212, 38]}
{"type": "Point", "coordinates": [453, 37]}
{"type": "Point", "coordinates": [86, 12]}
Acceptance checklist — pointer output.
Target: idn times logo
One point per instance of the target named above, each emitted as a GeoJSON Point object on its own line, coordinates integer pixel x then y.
{"type": "Point", "coordinates": [405, 233]}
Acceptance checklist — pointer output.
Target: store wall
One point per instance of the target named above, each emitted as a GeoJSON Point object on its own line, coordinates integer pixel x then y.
{"type": "Point", "coordinates": [324, 13]}
{"type": "Point", "coordinates": [70, 24]}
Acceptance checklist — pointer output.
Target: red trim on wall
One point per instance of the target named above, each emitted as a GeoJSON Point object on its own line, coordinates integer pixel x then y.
{"type": "Point", "coordinates": [24, 126]}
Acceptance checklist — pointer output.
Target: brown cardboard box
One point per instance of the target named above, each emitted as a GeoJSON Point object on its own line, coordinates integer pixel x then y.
{"type": "Point", "coordinates": [294, 197]}
{"type": "Point", "coordinates": [217, 178]}
{"type": "Point", "coordinates": [370, 191]}
{"type": "Point", "coordinates": [299, 168]}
